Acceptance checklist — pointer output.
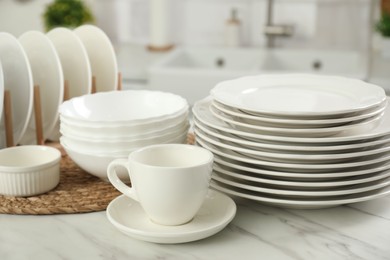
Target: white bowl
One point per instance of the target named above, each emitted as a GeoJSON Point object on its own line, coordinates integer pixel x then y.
{"type": "Point", "coordinates": [180, 139]}
{"type": "Point", "coordinates": [137, 106]}
{"type": "Point", "coordinates": [29, 170]}
{"type": "Point", "coordinates": [95, 164]}
{"type": "Point", "coordinates": [123, 131]}
{"type": "Point", "coordinates": [106, 146]}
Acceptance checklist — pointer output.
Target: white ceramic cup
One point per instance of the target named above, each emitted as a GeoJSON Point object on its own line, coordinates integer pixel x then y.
{"type": "Point", "coordinates": [170, 181]}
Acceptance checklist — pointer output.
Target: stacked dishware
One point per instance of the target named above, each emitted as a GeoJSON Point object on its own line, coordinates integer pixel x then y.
{"type": "Point", "coordinates": [98, 128]}
{"type": "Point", "coordinates": [39, 70]}
{"type": "Point", "coordinates": [297, 140]}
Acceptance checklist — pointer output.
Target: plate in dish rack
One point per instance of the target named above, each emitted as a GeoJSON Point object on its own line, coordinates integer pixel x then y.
{"type": "Point", "coordinates": [74, 60]}
{"type": "Point", "coordinates": [301, 95]}
{"type": "Point", "coordinates": [239, 116]}
{"type": "Point", "coordinates": [18, 80]}
{"type": "Point", "coordinates": [75, 65]}
{"type": "Point", "coordinates": [101, 55]}
{"type": "Point", "coordinates": [47, 74]}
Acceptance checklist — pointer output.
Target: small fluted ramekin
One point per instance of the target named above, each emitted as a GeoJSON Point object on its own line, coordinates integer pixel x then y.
{"type": "Point", "coordinates": [29, 170]}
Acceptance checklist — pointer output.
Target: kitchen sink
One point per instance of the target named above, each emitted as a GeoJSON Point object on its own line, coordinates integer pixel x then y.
{"type": "Point", "coordinates": [192, 72]}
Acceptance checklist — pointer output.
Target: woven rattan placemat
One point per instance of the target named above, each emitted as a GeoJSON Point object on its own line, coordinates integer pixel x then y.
{"type": "Point", "coordinates": [77, 192]}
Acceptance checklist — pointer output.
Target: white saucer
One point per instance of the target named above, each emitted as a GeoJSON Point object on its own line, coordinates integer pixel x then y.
{"type": "Point", "coordinates": [128, 216]}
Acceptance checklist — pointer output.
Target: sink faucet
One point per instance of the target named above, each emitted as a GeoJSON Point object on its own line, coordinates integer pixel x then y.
{"type": "Point", "coordinates": [272, 30]}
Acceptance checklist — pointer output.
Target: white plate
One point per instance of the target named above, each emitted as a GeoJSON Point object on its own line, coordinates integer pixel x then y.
{"type": "Point", "coordinates": [201, 111]}
{"type": "Point", "coordinates": [291, 147]}
{"type": "Point", "coordinates": [75, 65]}
{"type": "Point", "coordinates": [334, 175]}
{"type": "Point", "coordinates": [293, 184]}
{"type": "Point", "coordinates": [301, 203]}
{"type": "Point", "coordinates": [295, 167]}
{"type": "Point", "coordinates": [101, 56]}
{"type": "Point", "coordinates": [294, 157]}
{"type": "Point", "coordinates": [298, 95]}
{"type": "Point", "coordinates": [47, 74]}
{"type": "Point", "coordinates": [354, 127]}
{"type": "Point", "coordinates": [17, 79]}
{"type": "Point", "coordinates": [128, 216]}
{"type": "Point", "coordinates": [286, 193]}
{"type": "Point", "coordinates": [239, 116]}
{"type": "Point", "coordinates": [74, 61]}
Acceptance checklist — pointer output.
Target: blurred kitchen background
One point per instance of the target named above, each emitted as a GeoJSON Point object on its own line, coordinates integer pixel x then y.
{"type": "Point", "coordinates": [213, 40]}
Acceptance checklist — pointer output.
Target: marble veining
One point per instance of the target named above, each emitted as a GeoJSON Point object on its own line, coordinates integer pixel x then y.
{"type": "Point", "coordinates": [355, 231]}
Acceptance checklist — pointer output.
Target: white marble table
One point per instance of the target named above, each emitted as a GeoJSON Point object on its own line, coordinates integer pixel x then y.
{"type": "Point", "coordinates": [355, 231]}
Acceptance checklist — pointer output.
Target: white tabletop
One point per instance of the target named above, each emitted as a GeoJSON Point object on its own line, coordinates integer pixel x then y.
{"type": "Point", "coordinates": [355, 231]}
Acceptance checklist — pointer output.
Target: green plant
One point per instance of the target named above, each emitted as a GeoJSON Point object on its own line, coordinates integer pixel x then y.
{"type": "Point", "coordinates": [67, 13]}
{"type": "Point", "coordinates": [383, 25]}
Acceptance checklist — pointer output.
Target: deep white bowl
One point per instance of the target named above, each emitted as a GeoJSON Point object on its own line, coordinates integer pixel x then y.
{"type": "Point", "coordinates": [29, 170]}
{"type": "Point", "coordinates": [70, 131]}
{"type": "Point", "coordinates": [180, 139]}
{"type": "Point", "coordinates": [112, 146]}
{"type": "Point", "coordinates": [137, 131]}
{"type": "Point", "coordinates": [128, 106]}
{"type": "Point", "coordinates": [95, 164]}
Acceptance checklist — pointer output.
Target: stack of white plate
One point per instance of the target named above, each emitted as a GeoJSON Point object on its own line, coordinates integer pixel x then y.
{"type": "Point", "coordinates": [297, 140]}
{"type": "Point", "coordinates": [101, 127]}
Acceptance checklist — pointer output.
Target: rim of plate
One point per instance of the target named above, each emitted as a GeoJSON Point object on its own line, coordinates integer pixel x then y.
{"type": "Point", "coordinates": [369, 195]}
{"type": "Point", "coordinates": [244, 93]}
{"type": "Point", "coordinates": [287, 122]}
{"type": "Point", "coordinates": [202, 113]}
{"type": "Point", "coordinates": [298, 132]}
{"type": "Point", "coordinates": [284, 147]}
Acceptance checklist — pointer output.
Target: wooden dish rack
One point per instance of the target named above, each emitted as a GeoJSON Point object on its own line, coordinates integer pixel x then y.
{"type": "Point", "coordinates": [7, 110]}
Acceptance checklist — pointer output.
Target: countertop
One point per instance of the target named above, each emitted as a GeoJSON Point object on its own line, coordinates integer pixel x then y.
{"type": "Point", "coordinates": [355, 231]}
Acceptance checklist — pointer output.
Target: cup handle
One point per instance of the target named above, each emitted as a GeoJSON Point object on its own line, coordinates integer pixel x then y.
{"type": "Point", "coordinates": [116, 182]}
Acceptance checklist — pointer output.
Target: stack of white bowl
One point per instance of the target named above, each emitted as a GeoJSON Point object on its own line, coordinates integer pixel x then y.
{"type": "Point", "coordinates": [101, 127]}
